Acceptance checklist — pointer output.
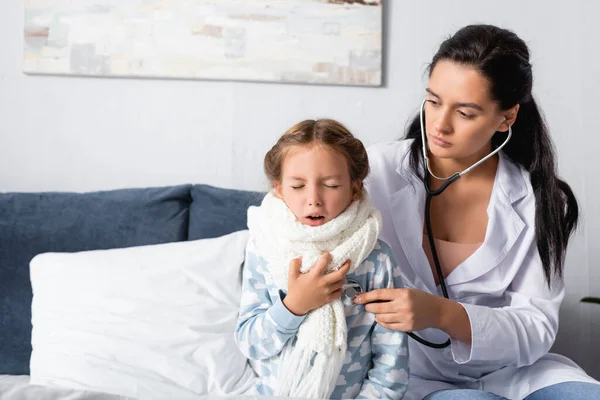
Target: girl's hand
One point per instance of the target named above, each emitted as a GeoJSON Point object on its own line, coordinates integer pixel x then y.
{"type": "Point", "coordinates": [315, 288]}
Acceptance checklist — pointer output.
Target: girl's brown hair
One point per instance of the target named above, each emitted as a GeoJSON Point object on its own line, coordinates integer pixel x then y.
{"type": "Point", "coordinates": [324, 132]}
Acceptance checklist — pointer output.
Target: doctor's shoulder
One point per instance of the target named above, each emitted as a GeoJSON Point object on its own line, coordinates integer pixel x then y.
{"type": "Point", "coordinates": [521, 191]}
{"type": "Point", "coordinates": [388, 155]}
{"type": "Point", "coordinates": [388, 161]}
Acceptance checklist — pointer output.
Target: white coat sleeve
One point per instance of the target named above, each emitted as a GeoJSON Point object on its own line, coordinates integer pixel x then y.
{"type": "Point", "coordinates": [521, 332]}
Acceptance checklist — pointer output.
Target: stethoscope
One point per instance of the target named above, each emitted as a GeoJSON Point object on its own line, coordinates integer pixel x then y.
{"type": "Point", "coordinates": [352, 288]}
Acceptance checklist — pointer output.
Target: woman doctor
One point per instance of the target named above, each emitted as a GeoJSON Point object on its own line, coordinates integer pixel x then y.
{"type": "Point", "coordinates": [500, 232]}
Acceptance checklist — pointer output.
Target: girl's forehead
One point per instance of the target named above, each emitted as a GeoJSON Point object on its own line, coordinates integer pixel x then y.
{"type": "Point", "coordinates": [301, 157]}
{"type": "Point", "coordinates": [315, 149]}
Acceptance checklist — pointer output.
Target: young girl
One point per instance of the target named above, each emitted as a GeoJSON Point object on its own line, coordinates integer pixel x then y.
{"type": "Point", "coordinates": [297, 324]}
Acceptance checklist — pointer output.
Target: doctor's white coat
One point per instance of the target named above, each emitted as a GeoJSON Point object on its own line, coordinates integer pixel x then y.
{"type": "Point", "coordinates": [513, 312]}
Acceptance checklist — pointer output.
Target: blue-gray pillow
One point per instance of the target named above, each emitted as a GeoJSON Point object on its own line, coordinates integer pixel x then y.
{"type": "Point", "coordinates": [33, 223]}
{"type": "Point", "coordinates": [216, 212]}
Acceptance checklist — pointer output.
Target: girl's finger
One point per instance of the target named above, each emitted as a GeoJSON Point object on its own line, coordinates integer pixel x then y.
{"type": "Point", "coordinates": [335, 295]}
{"type": "Point", "coordinates": [320, 266]}
{"type": "Point", "coordinates": [337, 285]}
{"type": "Point", "coordinates": [338, 275]}
{"type": "Point", "coordinates": [295, 266]}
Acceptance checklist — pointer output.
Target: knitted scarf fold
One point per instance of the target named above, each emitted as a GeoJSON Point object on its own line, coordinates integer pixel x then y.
{"type": "Point", "coordinates": [311, 367]}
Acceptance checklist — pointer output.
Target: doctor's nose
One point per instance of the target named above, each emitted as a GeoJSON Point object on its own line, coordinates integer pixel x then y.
{"type": "Point", "coordinates": [442, 123]}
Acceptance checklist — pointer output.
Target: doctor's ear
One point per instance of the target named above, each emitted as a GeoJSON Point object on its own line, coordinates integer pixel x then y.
{"type": "Point", "coordinates": [510, 117]}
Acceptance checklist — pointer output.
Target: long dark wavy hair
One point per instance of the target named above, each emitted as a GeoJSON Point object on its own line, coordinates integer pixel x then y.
{"type": "Point", "coordinates": [503, 58]}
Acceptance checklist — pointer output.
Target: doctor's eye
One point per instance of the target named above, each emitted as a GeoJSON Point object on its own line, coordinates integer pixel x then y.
{"type": "Point", "coordinates": [465, 115]}
{"type": "Point", "coordinates": [433, 102]}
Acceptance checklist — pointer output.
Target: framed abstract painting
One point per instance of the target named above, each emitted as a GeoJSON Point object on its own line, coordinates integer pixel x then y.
{"type": "Point", "coordinates": [330, 42]}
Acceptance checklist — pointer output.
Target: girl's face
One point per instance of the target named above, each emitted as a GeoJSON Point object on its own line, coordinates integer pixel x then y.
{"type": "Point", "coordinates": [460, 116]}
{"type": "Point", "coordinates": [315, 184]}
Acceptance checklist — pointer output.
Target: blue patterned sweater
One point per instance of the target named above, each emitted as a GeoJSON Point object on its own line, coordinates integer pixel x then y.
{"type": "Point", "coordinates": [376, 361]}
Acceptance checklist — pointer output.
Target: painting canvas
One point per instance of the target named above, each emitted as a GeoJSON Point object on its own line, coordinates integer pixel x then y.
{"type": "Point", "coordinates": [306, 41]}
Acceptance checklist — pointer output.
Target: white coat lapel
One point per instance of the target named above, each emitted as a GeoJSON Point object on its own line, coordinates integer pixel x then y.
{"type": "Point", "coordinates": [504, 224]}
{"type": "Point", "coordinates": [407, 210]}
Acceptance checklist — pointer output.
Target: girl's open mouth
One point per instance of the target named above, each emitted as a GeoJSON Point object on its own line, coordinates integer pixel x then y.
{"type": "Point", "coordinates": [315, 220]}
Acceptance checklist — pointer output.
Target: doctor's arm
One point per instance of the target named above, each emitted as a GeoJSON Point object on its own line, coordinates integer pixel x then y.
{"type": "Point", "coordinates": [522, 331]}
{"type": "Point", "coordinates": [414, 310]}
{"type": "Point", "coordinates": [515, 334]}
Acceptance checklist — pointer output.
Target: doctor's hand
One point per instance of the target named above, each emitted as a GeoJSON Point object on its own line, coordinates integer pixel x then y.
{"type": "Point", "coordinates": [403, 309]}
{"type": "Point", "coordinates": [310, 290]}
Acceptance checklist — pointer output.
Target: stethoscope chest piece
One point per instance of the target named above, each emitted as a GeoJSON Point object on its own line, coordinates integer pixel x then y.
{"type": "Point", "coordinates": [351, 289]}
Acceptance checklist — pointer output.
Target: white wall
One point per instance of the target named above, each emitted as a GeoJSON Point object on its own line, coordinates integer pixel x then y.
{"type": "Point", "coordinates": [86, 134]}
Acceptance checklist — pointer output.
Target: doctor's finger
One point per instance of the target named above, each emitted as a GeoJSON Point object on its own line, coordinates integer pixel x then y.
{"type": "Point", "coordinates": [377, 295]}
{"type": "Point", "coordinates": [383, 307]}
{"type": "Point", "coordinates": [391, 318]}
{"type": "Point", "coordinates": [393, 326]}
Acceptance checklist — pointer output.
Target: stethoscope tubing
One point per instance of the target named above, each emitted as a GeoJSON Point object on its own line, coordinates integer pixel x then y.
{"type": "Point", "coordinates": [430, 194]}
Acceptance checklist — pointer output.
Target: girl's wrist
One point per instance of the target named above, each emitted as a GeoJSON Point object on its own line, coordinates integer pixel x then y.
{"type": "Point", "coordinates": [292, 307]}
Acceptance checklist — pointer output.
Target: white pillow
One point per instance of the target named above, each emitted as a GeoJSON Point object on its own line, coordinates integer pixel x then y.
{"type": "Point", "coordinates": [140, 320]}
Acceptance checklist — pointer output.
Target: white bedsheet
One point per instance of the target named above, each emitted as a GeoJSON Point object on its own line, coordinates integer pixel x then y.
{"type": "Point", "coordinates": [17, 387]}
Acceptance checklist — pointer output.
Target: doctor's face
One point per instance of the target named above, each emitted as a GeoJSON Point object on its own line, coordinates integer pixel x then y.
{"type": "Point", "coordinates": [315, 184]}
{"type": "Point", "coordinates": [460, 116]}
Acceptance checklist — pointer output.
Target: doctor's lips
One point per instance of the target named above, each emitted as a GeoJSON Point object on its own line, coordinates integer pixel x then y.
{"type": "Point", "coordinates": [315, 219]}
{"type": "Point", "coordinates": [439, 141]}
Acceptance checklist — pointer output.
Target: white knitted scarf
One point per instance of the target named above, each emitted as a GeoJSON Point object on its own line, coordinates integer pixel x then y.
{"type": "Point", "coordinates": [311, 367]}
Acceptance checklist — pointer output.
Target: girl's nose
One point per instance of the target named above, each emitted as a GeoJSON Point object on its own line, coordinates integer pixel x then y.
{"type": "Point", "coordinates": [314, 202]}
{"type": "Point", "coordinates": [315, 198]}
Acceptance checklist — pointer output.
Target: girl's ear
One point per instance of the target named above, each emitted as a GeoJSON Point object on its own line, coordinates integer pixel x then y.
{"type": "Point", "coordinates": [357, 189]}
{"type": "Point", "coordinates": [277, 187]}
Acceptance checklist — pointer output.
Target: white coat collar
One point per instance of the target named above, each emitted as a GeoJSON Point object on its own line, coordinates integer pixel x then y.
{"type": "Point", "coordinates": [504, 224]}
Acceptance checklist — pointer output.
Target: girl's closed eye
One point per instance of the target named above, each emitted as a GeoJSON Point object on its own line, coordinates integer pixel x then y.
{"type": "Point", "coordinates": [332, 186]}
{"type": "Point", "coordinates": [297, 187]}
